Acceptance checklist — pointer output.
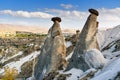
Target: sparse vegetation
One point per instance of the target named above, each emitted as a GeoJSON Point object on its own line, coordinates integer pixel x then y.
{"type": "Point", "coordinates": [10, 73]}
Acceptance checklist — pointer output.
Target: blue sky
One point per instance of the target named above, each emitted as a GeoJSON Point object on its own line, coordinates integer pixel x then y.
{"type": "Point", "coordinates": [33, 5]}
{"type": "Point", "coordinates": [73, 12]}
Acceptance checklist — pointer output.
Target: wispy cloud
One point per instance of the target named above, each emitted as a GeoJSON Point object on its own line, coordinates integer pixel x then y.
{"type": "Point", "coordinates": [109, 17]}
{"type": "Point", "coordinates": [70, 18]}
{"type": "Point", "coordinates": [66, 6]}
{"type": "Point", "coordinates": [68, 14]}
{"type": "Point", "coordinates": [110, 14]}
{"type": "Point", "coordinates": [26, 14]}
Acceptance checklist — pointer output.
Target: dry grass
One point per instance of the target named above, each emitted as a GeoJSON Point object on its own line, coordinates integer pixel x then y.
{"type": "Point", "coordinates": [10, 74]}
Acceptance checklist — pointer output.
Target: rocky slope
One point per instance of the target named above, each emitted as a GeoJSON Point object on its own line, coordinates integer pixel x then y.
{"type": "Point", "coordinates": [110, 51]}
{"type": "Point", "coordinates": [109, 44]}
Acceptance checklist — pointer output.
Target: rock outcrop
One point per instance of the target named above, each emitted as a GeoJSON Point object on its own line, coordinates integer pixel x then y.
{"type": "Point", "coordinates": [115, 44]}
{"type": "Point", "coordinates": [53, 52]}
{"type": "Point", "coordinates": [87, 40]}
{"type": "Point", "coordinates": [56, 76]}
{"type": "Point", "coordinates": [95, 59]}
{"type": "Point", "coordinates": [75, 37]}
{"type": "Point", "coordinates": [88, 74]}
{"type": "Point", "coordinates": [118, 76]}
{"type": "Point", "coordinates": [26, 70]}
{"type": "Point", "coordinates": [73, 40]}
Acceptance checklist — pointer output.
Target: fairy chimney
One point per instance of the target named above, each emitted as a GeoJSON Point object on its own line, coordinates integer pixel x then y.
{"type": "Point", "coordinates": [53, 52]}
{"type": "Point", "coordinates": [87, 40]}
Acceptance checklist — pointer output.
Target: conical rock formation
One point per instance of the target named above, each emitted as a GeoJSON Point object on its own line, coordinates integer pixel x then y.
{"type": "Point", "coordinates": [53, 52]}
{"type": "Point", "coordinates": [87, 40]}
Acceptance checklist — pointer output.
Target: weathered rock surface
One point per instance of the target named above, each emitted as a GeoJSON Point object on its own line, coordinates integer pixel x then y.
{"type": "Point", "coordinates": [73, 40]}
{"type": "Point", "coordinates": [88, 74]}
{"type": "Point", "coordinates": [26, 70]}
{"type": "Point", "coordinates": [53, 52]}
{"type": "Point", "coordinates": [118, 76]}
{"type": "Point", "coordinates": [87, 40]}
{"type": "Point", "coordinates": [117, 47]}
{"type": "Point", "coordinates": [115, 44]}
{"type": "Point", "coordinates": [53, 75]}
{"type": "Point", "coordinates": [75, 37]}
{"type": "Point", "coordinates": [70, 49]}
{"type": "Point", "coordinates": [95, 59]}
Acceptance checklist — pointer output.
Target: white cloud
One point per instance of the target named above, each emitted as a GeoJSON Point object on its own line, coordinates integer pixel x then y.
{"type": "Point", "coordinates": [109, 14]}
{"type": "Point", "coordinates": [66, 6]}
{"type": "Point", "coordinates": [68, 14]}
{"type": "Point", "coordinates": [109, 17]}
{"type": "Point", "coordinates": [26, 14]}
{"type": "Point", "coordinates": [70, 18]}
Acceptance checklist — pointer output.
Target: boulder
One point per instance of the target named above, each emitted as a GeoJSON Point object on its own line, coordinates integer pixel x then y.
{"type": "Point", "coordinates": [26, 70]}
{"type": "Point", "coordinates": [94, 58]}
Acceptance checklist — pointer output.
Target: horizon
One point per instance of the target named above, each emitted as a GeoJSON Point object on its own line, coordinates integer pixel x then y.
{"type": "Point", "coordinates": [12, 28]}
{"type": "Point", "coordinates": [73, 12]}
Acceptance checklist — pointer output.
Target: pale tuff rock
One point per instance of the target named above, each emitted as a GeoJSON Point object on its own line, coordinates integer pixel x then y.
{"type": "Point", "coordinates": [73, 40]}
{"type": "Point", "coordinates": [95, 59]}
{"type": "Point", "coordinates": [88, 74]}
{"type": "Point", "coordinates": [75, 37]}
{"type": "Point", "coordinates": [53, 52]}
{"type": "Point", "coordinates": [87, 40]}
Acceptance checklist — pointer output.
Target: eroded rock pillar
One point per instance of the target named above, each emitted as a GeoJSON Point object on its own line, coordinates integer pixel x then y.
{"type": "Point", "coordinates": [87, 40]}
{"type": "Point", "coordinates": [53, 52]}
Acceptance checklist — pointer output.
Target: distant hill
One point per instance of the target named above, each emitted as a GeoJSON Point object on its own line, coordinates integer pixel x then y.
{"type": "Point", "coordinates": [35, 29]}
{"type": "Point", "coordinates": [13, 28]}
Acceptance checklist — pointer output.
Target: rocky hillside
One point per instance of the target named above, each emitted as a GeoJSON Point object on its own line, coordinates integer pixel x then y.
{"type": "Point", "coordinates": [109, 54]}
{"type": "Point", "coordinates": [109, 44]}
{"type": "Point", "coordinates": [108, 36]}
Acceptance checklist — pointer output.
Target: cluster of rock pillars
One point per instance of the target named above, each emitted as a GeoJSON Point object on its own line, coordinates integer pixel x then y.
{"type": "Point", "coordinates": [53, 52]}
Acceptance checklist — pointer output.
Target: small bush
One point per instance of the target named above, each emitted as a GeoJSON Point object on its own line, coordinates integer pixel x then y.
{"type": "Point", "coordinates": [9, 74]}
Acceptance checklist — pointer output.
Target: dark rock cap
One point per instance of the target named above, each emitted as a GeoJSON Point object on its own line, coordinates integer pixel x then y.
{"type": "Point", "coordinates": [93, 11]}
{"type": "Point", "coordinates": [77, 30]}
{"type": "Point", "coordinates": [56, 19]}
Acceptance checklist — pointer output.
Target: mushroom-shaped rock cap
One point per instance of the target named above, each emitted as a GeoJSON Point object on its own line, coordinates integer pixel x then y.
{"type": "Point", "coordinates": [77, 31]}
{"type": "Point", "coordinates": [93, 11]}
{"type": "Point", "coordinates": [56, 19]}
